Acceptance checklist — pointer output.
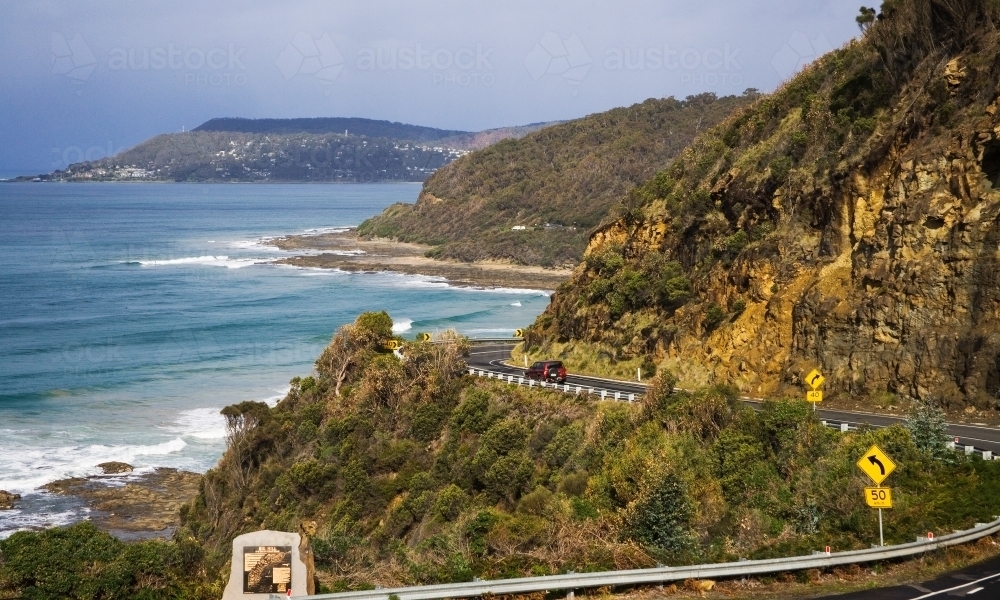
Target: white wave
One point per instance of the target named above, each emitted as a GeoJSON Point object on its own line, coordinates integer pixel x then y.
{"type": "Point", "coordinates": [259, 244]}
{"type": "Point", "coordinates": [28, 469]}
{"type": "Point", "coordinates": [401, 325]}
{"type": "Point", "coordinates": [518, 303]}
{"type": "Point", "coordinates": [210, 261]}
{"type": "Point", "coordinates": [17, 519]}
{"type": "Point", "coordinates": [200, 423]}
{"type": "Point", "coordinates": [322, 230]}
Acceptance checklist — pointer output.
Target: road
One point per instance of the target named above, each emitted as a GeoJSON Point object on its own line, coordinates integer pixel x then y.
{"type": "Point", "coordinates": [492, 356]}
{"type": "Point", "coordinates": [979, 581]}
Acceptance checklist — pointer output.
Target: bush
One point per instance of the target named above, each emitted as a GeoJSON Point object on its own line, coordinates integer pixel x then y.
{"type": "Point", "coordinates": [714, 317]}
{"type": "Point", "coordinates": [927, 426]}
{"type": "Point", "coordinates": [82, 562]}
{"type": "Point", "coordinates": [449, 502]}
{"type": "Point", "coordinates": [663, 518]}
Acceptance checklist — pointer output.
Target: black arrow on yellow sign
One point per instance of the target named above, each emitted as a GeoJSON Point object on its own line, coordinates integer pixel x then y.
{"type": "Point", "coordinates": [875, 461]}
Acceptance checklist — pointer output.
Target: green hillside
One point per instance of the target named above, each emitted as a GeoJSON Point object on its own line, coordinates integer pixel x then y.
{"type": "Point", "coordinates": [559, 183]}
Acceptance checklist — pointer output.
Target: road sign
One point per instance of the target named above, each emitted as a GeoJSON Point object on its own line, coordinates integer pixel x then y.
{"type": "Point", "coordinates": [876, 464]}
{"type": "Point", "coordinates": [814, 379]}
{"type": "Point", "coordinates": [423, 337]}
{"type": "Point", "coordinates": [392, 345]}
{"type": "Point", "coordinates": [814, 396]}
{"type": "Point", "coordinates": [518, 333]}
{"type": "Point", "coordinates": [878, 497]}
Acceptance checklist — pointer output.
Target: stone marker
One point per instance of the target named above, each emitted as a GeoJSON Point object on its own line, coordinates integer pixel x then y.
{"type": "Point", "coordinates": [268, 562]}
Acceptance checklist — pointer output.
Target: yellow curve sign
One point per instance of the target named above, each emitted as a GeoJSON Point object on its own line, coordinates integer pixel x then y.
{"type": "Point", "coordinates": [814, 379]}
{"type": "Point", "coordinates": [518, 333]}
{"type": "Point", "coordinates": [423, 337]}
{"type": "Point", "coordinates": [876, 464]}
{"type": "Point", "coordinates": [392, 345]}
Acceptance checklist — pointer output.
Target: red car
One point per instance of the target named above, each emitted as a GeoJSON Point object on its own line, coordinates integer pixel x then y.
{"type": "Point", "coordinates": [551, 370]}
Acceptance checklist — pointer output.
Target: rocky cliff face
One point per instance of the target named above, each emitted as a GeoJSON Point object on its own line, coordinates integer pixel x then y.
{"type": "Point", "coordinates": [847, 222]}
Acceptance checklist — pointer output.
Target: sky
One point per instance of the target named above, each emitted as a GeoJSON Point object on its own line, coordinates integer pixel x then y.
{"type": "Point", "coordinates": [86, 79]}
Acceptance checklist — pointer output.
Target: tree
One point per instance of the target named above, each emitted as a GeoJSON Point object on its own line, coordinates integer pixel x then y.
{"type": "Point", "coordinates": [663, 518]}
{"type": "Point", "coordinates": [865, 18]}
{"type": "Point", "coordinates": [928, 428]}
{"type": "Point", "coordinates": [348, 347]}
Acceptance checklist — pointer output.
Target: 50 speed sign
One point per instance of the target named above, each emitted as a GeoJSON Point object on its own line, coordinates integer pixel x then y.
{"type": "Point", "coordinates": [878, 497]}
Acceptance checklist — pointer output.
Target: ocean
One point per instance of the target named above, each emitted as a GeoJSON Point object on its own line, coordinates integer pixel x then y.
{"type": "Point", "coordinates": [130, 314]}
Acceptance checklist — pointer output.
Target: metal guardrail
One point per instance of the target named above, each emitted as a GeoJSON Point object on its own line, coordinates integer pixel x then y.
{"type": "Point", "coordinates": [604, 394]}
{"type": "Point", "coordinates": [572, 581]}
{"type": "Point", "coordinates": [845, 426]}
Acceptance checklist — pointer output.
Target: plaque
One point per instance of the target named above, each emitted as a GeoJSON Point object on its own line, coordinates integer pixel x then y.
{"type": "Point", "coordinates": [267, 569]}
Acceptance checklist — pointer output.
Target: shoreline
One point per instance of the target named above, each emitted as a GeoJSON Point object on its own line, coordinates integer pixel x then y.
{"type": "Point", "coordinates": [344, 250]}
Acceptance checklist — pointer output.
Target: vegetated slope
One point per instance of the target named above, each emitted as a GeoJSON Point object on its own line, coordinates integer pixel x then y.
{"type": "Point", "coordinates": [226, 156]}
{"type": "Point", "coordinates": [407, 472]}
{"type": "Point", "coordinates": [356, 126]}
{"type": "Point", "coordinates": [301, 150]}
{"type": "Point", "coordinates": [849, 221]}
{"type": "Point", "coordinates": [559, 183]}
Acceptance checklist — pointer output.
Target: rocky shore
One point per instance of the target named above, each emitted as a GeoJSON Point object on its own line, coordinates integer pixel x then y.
{"type": "Point", "coordinates": [133, 506]}
{"type": "Point", "coordinates": [348, 252]}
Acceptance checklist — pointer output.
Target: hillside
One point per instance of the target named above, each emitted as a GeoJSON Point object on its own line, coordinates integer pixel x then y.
{"type": "Point", "coordinates": [359, 127]}
{"type": "Point", "coordinates": [289, 150]}
{"type": "Point", "coordinates": [847, 222]}
{"type": "Point", "coordinates": [414, 472]}
{"type": "Point", "coordinates": [558, 183]}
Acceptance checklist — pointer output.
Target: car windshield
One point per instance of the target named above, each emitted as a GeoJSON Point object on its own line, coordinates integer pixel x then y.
{"type": "Point", "coordinates": [538, 365]}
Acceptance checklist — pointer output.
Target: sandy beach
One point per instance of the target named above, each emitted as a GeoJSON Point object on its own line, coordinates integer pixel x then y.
{"type": "Point", "coordinates": [346, 251]}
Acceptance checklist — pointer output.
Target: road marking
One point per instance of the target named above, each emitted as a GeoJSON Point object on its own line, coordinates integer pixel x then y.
{"type": "Point", "coordinates": [958, 587]}
{"type": "Point", "coordinates": [970, 592]}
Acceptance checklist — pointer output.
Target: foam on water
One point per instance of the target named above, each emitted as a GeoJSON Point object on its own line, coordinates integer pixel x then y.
{"type": "Point", "coordinates": [401, 325]}
{"type": "Point", "coordinates": [518, 303]}
{"type": "Point", "coordinates": [208, 261]}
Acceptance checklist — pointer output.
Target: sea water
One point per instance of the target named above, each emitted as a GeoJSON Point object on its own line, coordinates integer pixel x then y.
{"type": "Point", "coordinates": [130, 314]}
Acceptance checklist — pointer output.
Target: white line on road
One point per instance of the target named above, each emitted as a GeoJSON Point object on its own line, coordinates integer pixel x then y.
{"type": "Point", "coordinates": [958, 587]}
{"type": "Point", "coordinates": [970, 592]}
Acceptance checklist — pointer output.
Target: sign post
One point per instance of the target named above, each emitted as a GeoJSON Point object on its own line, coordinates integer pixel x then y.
{"type": "Point", "coordinates": [814, 380]}
{"type": "Point", "coordinates": [877, 465]}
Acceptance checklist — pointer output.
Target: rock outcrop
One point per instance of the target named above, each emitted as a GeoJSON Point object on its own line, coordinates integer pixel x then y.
{"type": "Point", "coordinates": [850, 222]}
{"type": "Point", "coordinates": [7, 500]}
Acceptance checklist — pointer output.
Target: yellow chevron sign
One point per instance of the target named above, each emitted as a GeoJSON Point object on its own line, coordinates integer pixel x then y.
{"type": "Point", "coordinates": [423, 337]}
{"type": "Point", "coordinates": [518, 333]}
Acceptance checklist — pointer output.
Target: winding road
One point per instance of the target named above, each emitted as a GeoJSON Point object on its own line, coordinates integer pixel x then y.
{"type": "Point", "coordinates": [492, 356]}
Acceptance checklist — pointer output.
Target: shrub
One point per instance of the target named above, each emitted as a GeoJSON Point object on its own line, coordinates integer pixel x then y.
{"type": "Point", "coordinates": [714, 317]}
{"type": "Point", "coordinates": [449, 502]}
{"type": "Point", "coordinates": [663, 518]}
{"type": "Point", "coordinates": [927, 426]}
{"type": "Point", "coordinates": [82, 562]}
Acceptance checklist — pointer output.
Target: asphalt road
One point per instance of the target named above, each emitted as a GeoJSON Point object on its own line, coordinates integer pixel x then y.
{"type": "Point", "coordinates": [491, 357]}
{"type": "Point", "coordinates": [978, 581]}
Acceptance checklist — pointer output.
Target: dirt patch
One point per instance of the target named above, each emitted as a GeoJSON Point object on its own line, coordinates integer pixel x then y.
{"type": "Point", "coordinates": [134, 506]}
{"type": "Point", "coordinates": [346, 251]}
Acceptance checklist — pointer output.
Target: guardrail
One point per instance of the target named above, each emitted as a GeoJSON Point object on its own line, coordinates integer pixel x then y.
{"type": "Point", "coordinates": [846, 426]}
{"type": "Point", "coordinates": [573, 581]}
{"type": "Point", "coordinates": [604, 394]}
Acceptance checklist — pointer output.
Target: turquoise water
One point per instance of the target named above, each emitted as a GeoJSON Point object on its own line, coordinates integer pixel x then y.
{"type": "Point", "coordinates": [132, 313]}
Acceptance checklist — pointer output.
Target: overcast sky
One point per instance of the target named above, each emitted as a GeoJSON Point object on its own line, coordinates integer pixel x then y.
{"type": "Point", "coordinates": [84, 79]}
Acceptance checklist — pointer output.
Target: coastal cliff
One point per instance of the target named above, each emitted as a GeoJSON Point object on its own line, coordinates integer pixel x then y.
{"type": "Point", "coordinates": [847, 222]}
